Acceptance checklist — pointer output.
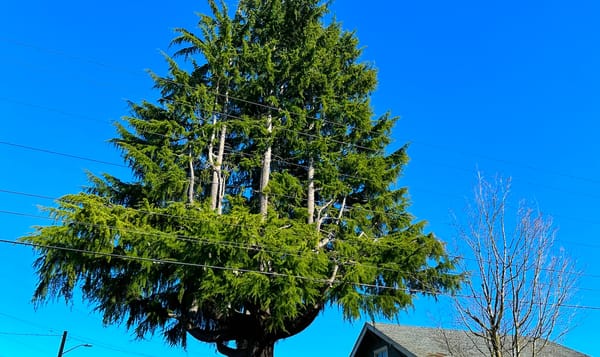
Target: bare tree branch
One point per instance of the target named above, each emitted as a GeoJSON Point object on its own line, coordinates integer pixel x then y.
{"type": "Point", "coordinates": [520, 285]}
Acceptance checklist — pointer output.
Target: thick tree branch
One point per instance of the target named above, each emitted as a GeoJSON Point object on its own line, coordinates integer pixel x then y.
{"type": "Point", "coordinates": [298, 324]}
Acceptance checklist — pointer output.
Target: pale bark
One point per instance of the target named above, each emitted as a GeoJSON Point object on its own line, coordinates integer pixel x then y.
{"type": "Point", "coordinates": [218, 171]}
{"type": "Point", "coordinates": [266, 172]}
{"type": "Point", "coordinates": [192, 182]}
{"type": "Point", "coordinates": [329, 236]}
{"type": "Point", "coordinates": [518, 288]}
{"type": "Point", "coordinates": [214, 184]}
{"type": "Point", "coordinates": [311, 191]}
{"type": "Point", "coordinates": [217, 188]}
{"type": "Point", "coordinates": [320, 216]}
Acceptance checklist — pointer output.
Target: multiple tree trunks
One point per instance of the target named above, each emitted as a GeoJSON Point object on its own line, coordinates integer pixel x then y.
{"type": "Point", "coordinates": [519, 295]}
{"type": "Point", "coordinates": [261, 193]}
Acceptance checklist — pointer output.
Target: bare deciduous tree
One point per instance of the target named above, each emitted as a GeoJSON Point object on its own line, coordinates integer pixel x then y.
{"type": "Point", "coordinates": [519, 282]}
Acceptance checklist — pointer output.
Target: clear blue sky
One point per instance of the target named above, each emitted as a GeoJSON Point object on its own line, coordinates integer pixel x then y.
{"type": "Point", "coordinates": [508, 87]}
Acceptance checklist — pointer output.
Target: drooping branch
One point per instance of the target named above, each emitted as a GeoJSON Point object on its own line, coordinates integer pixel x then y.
{"type": "Point", "coordinates": [236, 325]}
{"type": "Point", "coordinates": [228, 351]}
{"type": "Point", "coordinates": [241, 310]}
{"type": "Point", "coordinates": [298, 324]}
{"type": "Point", "coordinates": [210, 336]}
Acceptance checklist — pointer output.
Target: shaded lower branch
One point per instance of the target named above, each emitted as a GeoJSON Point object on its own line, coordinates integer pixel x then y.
{"type": "Point", "coordinates": [297, 325]}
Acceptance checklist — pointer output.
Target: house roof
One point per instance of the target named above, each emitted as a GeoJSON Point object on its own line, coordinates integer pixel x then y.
{"type": "Point", "coordinates": [415, 341]}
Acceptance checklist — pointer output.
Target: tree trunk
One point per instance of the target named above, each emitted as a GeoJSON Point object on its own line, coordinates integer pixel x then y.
{"type": "Point", "coordinates": [218, 172]}
{"type": "Point", "coordinates": [217, 183]}
{"type": "Point", "coordinates": [311, 191]}
{"type": "Point", "coordinates": [265, 174]}
{"type": "Point", "coordinates": [264, 351]}
{"type": "Point", "coordinates": [192, 176]}
{"type": "Point", "coordinates": [496, 345]}
{"type": "Point", "coordinates": [247, 349]}
{"type": "Point", "coordinates": [214, 184]}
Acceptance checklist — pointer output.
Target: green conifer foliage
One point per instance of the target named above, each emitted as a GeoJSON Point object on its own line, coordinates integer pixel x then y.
{"type": "Point", "coordinates": [262, 193]}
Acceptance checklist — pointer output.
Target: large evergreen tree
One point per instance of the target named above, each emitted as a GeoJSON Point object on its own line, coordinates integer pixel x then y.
{"type": "Point", "coordinates": [262, 193]}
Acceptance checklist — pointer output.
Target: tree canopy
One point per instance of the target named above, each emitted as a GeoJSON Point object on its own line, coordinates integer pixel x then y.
{"type": "Point", "coordinates": [262, 192]}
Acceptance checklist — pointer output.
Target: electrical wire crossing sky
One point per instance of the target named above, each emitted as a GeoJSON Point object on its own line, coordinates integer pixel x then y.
{"type": "Point", "coordinates": [505, 88]}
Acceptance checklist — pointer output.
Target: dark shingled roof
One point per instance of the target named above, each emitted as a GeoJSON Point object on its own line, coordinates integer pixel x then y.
{"type": "Point", "coordinates": [434, 342]}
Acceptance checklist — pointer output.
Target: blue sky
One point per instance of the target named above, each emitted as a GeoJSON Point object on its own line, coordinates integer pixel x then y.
{"type": "Point", "coordinates": [508, 87]}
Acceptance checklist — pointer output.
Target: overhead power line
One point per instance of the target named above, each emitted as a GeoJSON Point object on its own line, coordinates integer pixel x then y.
{"type": "Point", "coordinates": [47, 151]}
{"type": "Point", "coordinates": [510, 162]}
{"type": "Point", "coordinates": [225, 243]}
{"type": "Point", "coordinates": [84, 158]}
{"type": "Point", "coordinates": [53, 110]}
{"type": "Point", "coordinates": [120, 69]}
{"type": "Point", "coordinates": [239, 245]}
{"type": "Point", "coordinates": [195, 265]}
{"type": "Point", "coordinates": [68, 55]}
{"type": "Point", "coordinates": [45, 197]}
{"type": "Point", "coordinates": [103, 345]}
{"type": "Point", "coordinates": [73, 57]}
{"type": "Point", "coordinates": [276, 159]}
{"type": "Point", "coordinates": [28, 334]}
{"type": "Point", "coordinates": [268, 273]}
{"type": "Point", "coordinates": [79, 338]}
{"type": "Point", "coordinates": [287, 162]}
{"type": "Point", "coordinates": [206, 240]}
{"type": "Point", "coordinates": [245, 101]}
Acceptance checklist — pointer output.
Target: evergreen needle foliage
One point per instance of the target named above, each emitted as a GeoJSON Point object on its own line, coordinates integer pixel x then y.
{"type": "Point", "coordinates": [261, 164]}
